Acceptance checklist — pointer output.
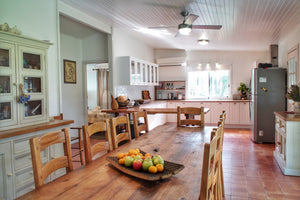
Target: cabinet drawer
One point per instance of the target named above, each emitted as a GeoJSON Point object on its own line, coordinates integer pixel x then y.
{"type": "Point", "coordinates": [24, 160]}
{"type": "Point", "coordinates": [21, 146]}
{"type": "Point", "coordinates": [24, 178]}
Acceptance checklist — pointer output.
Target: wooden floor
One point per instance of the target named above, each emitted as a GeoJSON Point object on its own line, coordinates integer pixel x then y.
{"type": "Point", "coordinates": [250, 171]}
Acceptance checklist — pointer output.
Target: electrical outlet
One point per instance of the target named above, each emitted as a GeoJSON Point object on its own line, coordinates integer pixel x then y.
{"type": "Point", "coordinates": [261, 133]}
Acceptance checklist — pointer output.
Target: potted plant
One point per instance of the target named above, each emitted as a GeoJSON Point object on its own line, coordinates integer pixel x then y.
{"type": "Point", "coordinates": [294, 94]}
{"type": "Point", "coordinates": [243, 89]}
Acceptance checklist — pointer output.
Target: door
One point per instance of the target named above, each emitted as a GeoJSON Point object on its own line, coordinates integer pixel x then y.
{"type": "Point", "coordinates": [6, 176]}
{"type": "Point", "coordinates": [293, 71]}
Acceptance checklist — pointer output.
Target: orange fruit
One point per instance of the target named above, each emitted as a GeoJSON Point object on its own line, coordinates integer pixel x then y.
{"type": "Point", "coordinates": [132, 152]}
{"type": "Point", "coordinates": [138, 151]}
{"type": "Point", "coordinates": [152, 169]}
{"type": "Point", "coordinates": [160, 167]}
{"type": "Point", "coordinates": [148, 155]}
{"type": "Point", "coordinates": [120, 155]}
{"type": "Point", "coordinates": [122, 161]}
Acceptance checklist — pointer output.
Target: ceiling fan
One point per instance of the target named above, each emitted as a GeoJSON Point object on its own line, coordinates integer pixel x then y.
{"type": "Point", "coordinates": [186, 26]}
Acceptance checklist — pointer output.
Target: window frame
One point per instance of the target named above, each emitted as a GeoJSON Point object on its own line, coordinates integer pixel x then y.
{"type": "Point", "coordinates": [227, 67]}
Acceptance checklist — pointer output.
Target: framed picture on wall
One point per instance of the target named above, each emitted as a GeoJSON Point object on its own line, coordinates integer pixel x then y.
{"type": "Point", "coordinates": [69, 71]}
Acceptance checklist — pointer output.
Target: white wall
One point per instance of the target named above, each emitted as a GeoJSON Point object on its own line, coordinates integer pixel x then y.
{"type": "Point", "coordinates": [72, 98]}
{"type": "Point", "coordinates": [38, 19]}
{"type": "Point", "coordinates": [241, 61]}
{"type": "Point", "coordinates": [286, 43]}
{"type": "Point", "coordinates": [95, 48]}
{"type": "Point", "coordinates": [126, 45]}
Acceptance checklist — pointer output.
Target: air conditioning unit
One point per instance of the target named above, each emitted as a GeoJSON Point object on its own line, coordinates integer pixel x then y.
{"type": "Point", "coordinates": [172, 61]}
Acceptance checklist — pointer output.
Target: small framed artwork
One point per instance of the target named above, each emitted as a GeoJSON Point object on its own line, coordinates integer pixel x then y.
{"type": "Point", "coordinates": [69, 71]}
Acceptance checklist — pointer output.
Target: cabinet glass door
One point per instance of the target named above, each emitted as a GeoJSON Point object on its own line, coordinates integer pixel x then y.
{"type": "Point", "coordinates": [4, 57]}
{"type": "Point", "coordinates": [138, 73]}
{"type": "Point", "coordinates": [32, 79]}
{"type": "Point", "coordinates": [7, 85]}
{"type": "Point", "coordinates": [152, 74]}
{"type": "Point", "coordinates": [148, 74]}
{"type": "Point", "coordinates": [144, 80]}
{"type": "Point", "coordinates": [132, 72]}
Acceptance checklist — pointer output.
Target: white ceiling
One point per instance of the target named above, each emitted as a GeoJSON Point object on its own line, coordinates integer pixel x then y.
{"type": "Point", "coordinates": [247, 24]}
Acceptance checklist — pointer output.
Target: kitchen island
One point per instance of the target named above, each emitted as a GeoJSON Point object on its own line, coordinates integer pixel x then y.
{"type": "Point", "coordinates": [287, 140]}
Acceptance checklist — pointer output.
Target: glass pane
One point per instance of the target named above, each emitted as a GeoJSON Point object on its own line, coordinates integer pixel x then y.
{"type": "Point", "coordinates": [32, 84]}
{"type": "Point", "coordinates": [132, 68]}
{"type": "Point", "coordinates": [198, 83]}
{"type": "Point", "coordinates": [138, 75]}
{"type": "Point", "coordinates": [4, 84]}
{"type": "Point", "coordinates": [33, 108]}
{"type": "Point", "coordinates": [5, 110]}
{"type": "Point", "coordinates": [144, 73]}
{"type": "Point", "coordinates": [31, 61]}
{"type": "Point", "coordinates": [148, 74]}
{"type": "Point", "coordinates": [4, 57]}
{"type": "Point", "coordinates": [219, 81]}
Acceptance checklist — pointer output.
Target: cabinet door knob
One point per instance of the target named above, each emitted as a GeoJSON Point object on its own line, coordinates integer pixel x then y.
{"type": "Point", "coordinates": [278, 143]}
{"type": "Point", "coordinates": [9, 174]}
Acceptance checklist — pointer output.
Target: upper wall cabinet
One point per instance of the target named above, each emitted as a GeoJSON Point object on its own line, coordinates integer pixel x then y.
{"type": "Point", "coordinates": [23, 81]}
{"type": "Point", "coordinates": [133, 71]}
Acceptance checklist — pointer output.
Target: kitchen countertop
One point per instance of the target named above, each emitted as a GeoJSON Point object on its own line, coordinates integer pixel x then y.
{"type": "Point", "coordinates": [287, 117]}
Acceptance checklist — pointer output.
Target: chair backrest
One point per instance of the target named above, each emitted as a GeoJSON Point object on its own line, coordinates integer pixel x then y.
{"type": "Point", "coordinates": [122, 136]}
{"type": "Point", "coordinates": [100, 146]}
{"type": "Point", "coordinates": [138, 128]}
{"type": "Point", "coordinates": [37, 144]}
{"type": "Point", "coordinates": [209, 172]}
{"type": "Point", "coordinates": [189, 112]}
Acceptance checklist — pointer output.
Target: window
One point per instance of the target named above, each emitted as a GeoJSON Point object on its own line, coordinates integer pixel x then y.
{"type": "Point", "coordinates": [209, 84]}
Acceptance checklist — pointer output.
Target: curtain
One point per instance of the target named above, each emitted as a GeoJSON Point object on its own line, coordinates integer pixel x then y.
{"type": "Point", "coordinates": [103, 93]}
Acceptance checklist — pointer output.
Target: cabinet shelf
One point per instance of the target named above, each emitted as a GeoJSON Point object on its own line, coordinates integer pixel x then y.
{"type": "Point", "coordinates": [170, 90]}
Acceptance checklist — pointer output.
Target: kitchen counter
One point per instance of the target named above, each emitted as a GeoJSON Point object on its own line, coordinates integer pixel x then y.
{"type": "Point", "coordinates": [33, 128]}
{"type": "Point", "coordinates": [287, 117]}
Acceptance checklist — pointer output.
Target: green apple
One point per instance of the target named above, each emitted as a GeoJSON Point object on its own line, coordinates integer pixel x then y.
{"type": "Point", "coordinates": [158, 161]}
{"type": "Point", "coordinates": [147, 164]}
{"type": "Point", "coordinates": [128, 161]}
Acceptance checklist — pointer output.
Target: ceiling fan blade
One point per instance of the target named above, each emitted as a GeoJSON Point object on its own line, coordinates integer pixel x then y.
{"type": "Point", "coordinates": [190, 19]}
{"type": "Point", "coordinates": [162, 27]}
{"type": "Point", "coordinates": [177, 34]}
{"type": "Point", "coordinates": [217, 27]}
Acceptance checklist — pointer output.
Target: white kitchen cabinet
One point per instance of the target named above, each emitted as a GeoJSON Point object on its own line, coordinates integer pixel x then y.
{"type": "Point", "coordinates": [234, 113]}
{"type": "Point", "coordinates": [132, 71]}
{"type": "Point", "coordinates": [23, 63]}
{"type": "Point", "coordinates": [155, 120]}
{"type": "Point", "coordinates": [172, 117]}
{"type": "Point", "coordinates": [6, 171]}
{"type": "Point", "coordinates": [287, 139]}
{"type": "Point", "coordinates": [244, 113]}
{"type": "Point", "coordinates": [16, 174]}
{"type": "Point", "coordinates": [216, 110]}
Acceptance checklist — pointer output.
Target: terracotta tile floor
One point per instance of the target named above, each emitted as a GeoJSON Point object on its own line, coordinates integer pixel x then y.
{"type": "Point", "coordinates": [250, 171]}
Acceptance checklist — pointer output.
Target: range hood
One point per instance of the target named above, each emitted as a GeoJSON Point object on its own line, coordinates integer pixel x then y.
{"type": "Point", "coordinates": [172, 61]}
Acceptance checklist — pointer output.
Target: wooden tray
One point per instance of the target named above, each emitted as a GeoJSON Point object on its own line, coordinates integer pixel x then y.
{"type": "Point", "coordinates": [170, 169]}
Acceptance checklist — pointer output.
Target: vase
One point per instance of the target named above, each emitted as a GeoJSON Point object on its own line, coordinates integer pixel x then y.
{"type": "Point", "coordinates": [114, 103]}
{"type": "Point", "coordinates": [297, 107]}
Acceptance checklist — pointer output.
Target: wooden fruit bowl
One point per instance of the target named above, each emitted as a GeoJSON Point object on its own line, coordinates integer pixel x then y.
{"type": "Point", "coordinates": [170, 169]}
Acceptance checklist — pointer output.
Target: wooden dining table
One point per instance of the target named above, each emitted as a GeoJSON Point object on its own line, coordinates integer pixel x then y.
{"type": "Point", "coordinates": [101, 180]}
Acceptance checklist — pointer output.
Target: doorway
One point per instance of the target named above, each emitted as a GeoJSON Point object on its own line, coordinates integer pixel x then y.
{"type": "Point", "coordinates": [97, 84]}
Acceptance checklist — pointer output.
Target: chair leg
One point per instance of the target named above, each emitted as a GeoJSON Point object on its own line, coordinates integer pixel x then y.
{"type": "Point", "coordinates": [80, 147]}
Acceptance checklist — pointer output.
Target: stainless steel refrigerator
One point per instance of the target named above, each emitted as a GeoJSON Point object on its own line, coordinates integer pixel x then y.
{"type": "Point", "coordinates": [267, 95]}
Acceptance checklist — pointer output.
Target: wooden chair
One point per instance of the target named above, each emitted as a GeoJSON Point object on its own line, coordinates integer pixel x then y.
{"type": "Point", "coordinates": [139, 127]}
{"type": "Point", "coordinates": [37, 144]}
{"type": "Point", "coordinates": [208, 189]}
{"type": "Point", "coordinates": [78, 150]}
{"type": "Point", "coordinates": [219, 133]}
{"type": "Point", "coordinates": [190, 111]}
{"type": "Point", "coordinates": [124, 135]}
{"type": "Point", "coordinates": [105, 145]}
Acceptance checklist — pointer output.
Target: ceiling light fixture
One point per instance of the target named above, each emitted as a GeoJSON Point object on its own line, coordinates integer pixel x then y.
{"type": "Point", "coordinates": [203, 41]}
{"type": "Point", "coordinates": [184, 29]}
